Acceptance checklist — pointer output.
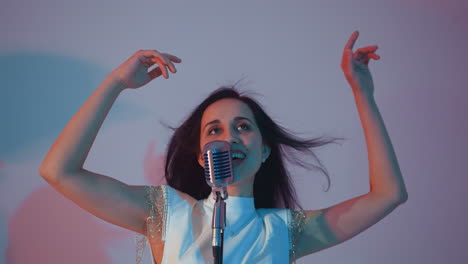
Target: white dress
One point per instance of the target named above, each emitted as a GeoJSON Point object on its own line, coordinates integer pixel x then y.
{"type": "Point", "coordinates": [184, 224]}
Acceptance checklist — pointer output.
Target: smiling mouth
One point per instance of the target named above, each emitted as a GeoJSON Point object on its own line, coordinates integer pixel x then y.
{"type": "Point", "coordinates": [236, 161]}
{"type": "Point", "coordinates": [237, 158]}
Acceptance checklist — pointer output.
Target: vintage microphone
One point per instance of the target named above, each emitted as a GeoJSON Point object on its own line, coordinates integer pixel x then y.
{"type": "Point", "coordinates": [218, 175]}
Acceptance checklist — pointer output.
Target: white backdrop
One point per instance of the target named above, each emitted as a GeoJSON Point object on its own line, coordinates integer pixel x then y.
{"type": "Point", "coordinates": [53, 54]}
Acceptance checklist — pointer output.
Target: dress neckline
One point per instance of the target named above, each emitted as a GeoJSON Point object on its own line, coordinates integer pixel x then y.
{"type": "Point", "coordinates": [240, 211]}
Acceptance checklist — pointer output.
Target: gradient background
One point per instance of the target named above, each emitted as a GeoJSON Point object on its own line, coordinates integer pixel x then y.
{"type": "Point", "coordinates": [53, 54]}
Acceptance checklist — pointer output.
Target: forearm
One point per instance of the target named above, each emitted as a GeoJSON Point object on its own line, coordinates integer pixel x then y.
{"type": "Point", "coordinates": [69, 151]}
{"type": "Point", "coordinates": [384, 171]}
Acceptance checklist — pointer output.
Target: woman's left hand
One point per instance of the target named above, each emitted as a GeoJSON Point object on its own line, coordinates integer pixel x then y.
{"type": "Point", "coordinates": [355, 66]}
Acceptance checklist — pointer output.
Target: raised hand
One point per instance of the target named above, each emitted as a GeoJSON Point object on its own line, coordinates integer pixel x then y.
{"type": "Point", "coordinates": [133, 73]}
{"type": "Point", "coordinates": [355, 65]}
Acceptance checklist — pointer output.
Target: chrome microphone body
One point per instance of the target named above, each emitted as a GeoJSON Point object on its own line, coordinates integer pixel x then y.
{"type": "Point", "coordinates": [218, 175]}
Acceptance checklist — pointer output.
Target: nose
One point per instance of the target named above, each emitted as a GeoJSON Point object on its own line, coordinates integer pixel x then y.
{"type": "Point", "coordinates": [232, 137]}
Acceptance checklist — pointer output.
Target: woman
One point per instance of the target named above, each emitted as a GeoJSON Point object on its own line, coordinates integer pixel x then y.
{"type": "Point", "coordinates": [176, 217]}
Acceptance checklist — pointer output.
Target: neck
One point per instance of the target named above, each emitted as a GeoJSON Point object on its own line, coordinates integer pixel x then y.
{"type": "Point", "coordinates": [241, 189]}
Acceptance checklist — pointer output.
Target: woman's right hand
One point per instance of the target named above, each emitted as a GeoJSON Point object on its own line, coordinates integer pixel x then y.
{"type": "Point", "coordinates": [134, 73]}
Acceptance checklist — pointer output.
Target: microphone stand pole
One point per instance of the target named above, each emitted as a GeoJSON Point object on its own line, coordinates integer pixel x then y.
{"type": "Point", "coordinates": [218, 224]}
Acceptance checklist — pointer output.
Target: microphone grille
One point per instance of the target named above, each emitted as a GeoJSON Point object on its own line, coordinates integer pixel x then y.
{"type": "Point", "coordinates": [218, 166]}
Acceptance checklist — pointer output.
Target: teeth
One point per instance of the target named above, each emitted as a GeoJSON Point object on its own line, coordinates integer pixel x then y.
{"type": "Point", "coordinates": [237, 155]}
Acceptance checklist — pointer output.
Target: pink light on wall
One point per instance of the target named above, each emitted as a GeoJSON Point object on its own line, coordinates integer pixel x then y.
{"type": "Point", "coordinates": [453, 9]}
{"type": "Point", "coordinates": [48, 228]}
{"type": "Point", "coordinates": [153, 165]}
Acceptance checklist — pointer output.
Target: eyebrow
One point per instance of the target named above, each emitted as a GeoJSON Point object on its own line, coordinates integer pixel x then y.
{"type": "Point", "coordinates": [216, 121]}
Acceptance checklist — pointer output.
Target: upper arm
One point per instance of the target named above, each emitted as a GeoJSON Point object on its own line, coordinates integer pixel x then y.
{"type": "Point", "coordinates": [330, 226]}
{"type": "Point", "coordinates": [105, 197]}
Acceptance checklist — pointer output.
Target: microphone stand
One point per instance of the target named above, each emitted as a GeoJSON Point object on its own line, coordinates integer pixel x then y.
{"type": "Point", "coordinates": [218, 224]}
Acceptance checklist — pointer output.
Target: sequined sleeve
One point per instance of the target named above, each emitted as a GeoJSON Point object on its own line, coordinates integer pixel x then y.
{"type": "Point", "coordinates": [296, 222]}
{"type": "Point", "coordinates": [157, 213]}
{"type": "Point", "coordinates": [156, 206]}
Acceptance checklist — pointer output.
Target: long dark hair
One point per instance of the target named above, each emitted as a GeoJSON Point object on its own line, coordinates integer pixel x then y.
{"type": "Point", "coordinates": [272, 184]}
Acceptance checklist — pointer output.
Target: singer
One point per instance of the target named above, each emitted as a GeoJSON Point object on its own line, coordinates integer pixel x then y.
{"type": "Point", "coordinates": [264, 222]}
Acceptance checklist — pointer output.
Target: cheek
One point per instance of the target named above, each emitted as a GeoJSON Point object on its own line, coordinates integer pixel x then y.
{"type": "Point", "coordinates": [255, 148]}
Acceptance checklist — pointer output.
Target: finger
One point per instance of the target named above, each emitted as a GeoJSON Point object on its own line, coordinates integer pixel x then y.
{"type": "Point", "coordinates": [173, 58]}
{"type": "Point", "coordinates": [145, 61]}
{"type": "Point", "coordinates": [167, 63]}
{"type": "Point", "coordinates": [162, 66]}
{"type": "Point", "coordinates": [366, 60]}
{"type": "Point", "coordinates": [163, 60]}
{"type": "Point", "coordinates": [146, 57]}
{"type": "Point", "coordinates": [346, 59]}
{"type": "Point", "coordinates": [373, 56]}
{"type": "Point", "coordinates": [352, 39]}
{"type": "Point", "coordinates": [149, 53]}
{"type": "Point", "coordinates": [170, 65]}
{"type": "Point", "coordinates": [154, 73]}
{"type": "Point", "coordinates": [154, 54]}
{"type": "Point", "coordinates": [172, 68]}
{"type": "Point", "coordinates": [368, 49]}
{"type": "Point", "coordinates": [358, 55]}
{"type": "Point", "coordinates": [163, 57]}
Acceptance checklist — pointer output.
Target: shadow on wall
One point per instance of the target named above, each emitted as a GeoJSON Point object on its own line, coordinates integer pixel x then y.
{"type": "Point", "coordinates": [39, 95]}
{"type": "Point", "coordinates": [41, 92]}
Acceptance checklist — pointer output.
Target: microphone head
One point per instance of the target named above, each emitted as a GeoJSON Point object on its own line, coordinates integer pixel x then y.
{"type": "Point", "coordinates": [218, 164]}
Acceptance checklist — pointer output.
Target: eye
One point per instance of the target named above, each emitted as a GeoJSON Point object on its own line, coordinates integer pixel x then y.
{"type": "Point", "coordinates": [213, 131]}
{"type": "Point", "coordinates": [243, 127]}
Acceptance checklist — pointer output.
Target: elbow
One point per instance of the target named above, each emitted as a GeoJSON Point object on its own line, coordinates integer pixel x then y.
{"type": "Point", "coordinates": [45, 174]}
{"type": "Point", "coordinates": [48, 175]}
{"type": "Point", "coordinates": [42, 171]}
{"type": "Point", "coordinates": [394, 199]}
{"type": "Point", "coordinates": [404, 197]}
{"type": "Point", "coordinates": [55, 176]}
{"type": "Point", "coordinates": [401, 198]}
{"type": "Point", "coordinates": [402, 194]}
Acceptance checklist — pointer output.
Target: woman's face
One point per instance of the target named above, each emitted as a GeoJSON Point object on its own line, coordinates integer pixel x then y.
{"type": "Point", "coordinates": [232, 120]}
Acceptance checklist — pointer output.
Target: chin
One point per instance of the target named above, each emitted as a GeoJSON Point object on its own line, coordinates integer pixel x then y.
{"type": "Point", "coordinates": [242, 179]}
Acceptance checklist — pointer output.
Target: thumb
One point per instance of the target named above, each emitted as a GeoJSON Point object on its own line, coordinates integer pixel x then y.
{"type": "Point", "coordinates": [154, 73]}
